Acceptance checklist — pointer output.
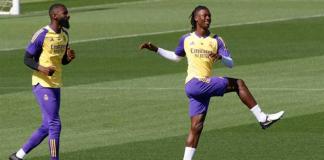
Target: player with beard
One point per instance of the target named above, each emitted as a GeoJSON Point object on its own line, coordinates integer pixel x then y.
{"type": "Point", "coordinates": [45, 54]}
{"type": "Point", "coordinates": [202, 49]}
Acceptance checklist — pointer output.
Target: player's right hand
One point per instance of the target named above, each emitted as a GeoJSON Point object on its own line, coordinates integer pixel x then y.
{"type": "Point", "coordinates": [49, 71]}
{"type": "Point", "coordinates": [149, 46]}
{"type": "Point", "coordinates": [215, 57]}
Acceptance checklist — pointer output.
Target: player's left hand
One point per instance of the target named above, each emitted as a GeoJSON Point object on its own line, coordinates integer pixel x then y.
{"type": "Point", "coordinates": [70, 54]}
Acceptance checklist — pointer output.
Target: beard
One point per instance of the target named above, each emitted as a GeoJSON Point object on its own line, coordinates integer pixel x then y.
{"type": "Point", "coordinates": [64, 23]}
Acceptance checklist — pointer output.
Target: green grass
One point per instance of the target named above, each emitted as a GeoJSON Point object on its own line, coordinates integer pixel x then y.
{"type": "Point", "coordinates": [142, 17]}
{"type": "Point", "coordinates": [113, 113]}
{"type": "Point", "coordinates": [122, 103]}
{"type": "Point", "coordinates": [111, 56]}
{"type": "Point", "coordinates": [43, 5]}
{"type": "Point", "coordinates": [284, 141]}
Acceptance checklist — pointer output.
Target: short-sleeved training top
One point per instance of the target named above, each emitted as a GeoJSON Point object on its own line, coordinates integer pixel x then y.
{"type": "Point", "coordinates": [48, 49]}
{"type": "Point", "coordinates": [198, 50]}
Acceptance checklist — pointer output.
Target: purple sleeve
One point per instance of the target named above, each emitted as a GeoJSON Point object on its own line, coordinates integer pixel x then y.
{"type": "Point", "coordinates": [180, 48]}
{"type": "Point", "coordinates": [222, 50]}
{"type": "Point", "coordinates": [35, 46]}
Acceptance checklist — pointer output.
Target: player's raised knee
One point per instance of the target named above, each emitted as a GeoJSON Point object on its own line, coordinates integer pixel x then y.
{"type": "Point", "coordinates": [240, 83]}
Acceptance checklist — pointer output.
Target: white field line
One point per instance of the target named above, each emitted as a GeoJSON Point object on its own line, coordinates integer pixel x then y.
{"type": "Point", "coordinates": [169, 88]}
{"type": "Point", "coordinates": [177, 30]}
{"type": "Point", "coordinates": [165, 88]}
{"type": "Point", "coordinates": [91, 7]}
{"type": "Point", "coordinates": [187, 29]}
{"type": "Point", "coordinates": [114, 4]}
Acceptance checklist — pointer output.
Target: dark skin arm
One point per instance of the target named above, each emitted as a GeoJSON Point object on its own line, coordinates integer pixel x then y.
{"type": "Point", "coordinates": [215, 57]}
{"type": "Point", "coordinates": [69, 56]}
{"type": "Point", "coordinates": [149, 46]}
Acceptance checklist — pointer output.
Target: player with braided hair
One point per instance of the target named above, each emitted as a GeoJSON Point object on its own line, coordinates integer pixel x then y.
{"type": "Point", "coordinates": [202, 49]}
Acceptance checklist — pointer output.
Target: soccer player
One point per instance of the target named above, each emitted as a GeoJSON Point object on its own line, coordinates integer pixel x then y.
{"type": "Point", "coordinates": [45, 54]}
{"type": "Point", "coordinates": [202, 49]}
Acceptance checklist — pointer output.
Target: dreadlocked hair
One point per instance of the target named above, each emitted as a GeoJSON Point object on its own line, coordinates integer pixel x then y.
{"type": "Point", "coordinates": [193, 14]}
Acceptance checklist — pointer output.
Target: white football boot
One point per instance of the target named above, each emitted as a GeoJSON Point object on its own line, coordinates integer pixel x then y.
{"type": "Point", "coordinates": [271, 119]}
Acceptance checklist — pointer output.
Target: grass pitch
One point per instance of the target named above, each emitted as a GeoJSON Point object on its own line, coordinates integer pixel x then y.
{"type": "Point", "coordinates": [122, 103]}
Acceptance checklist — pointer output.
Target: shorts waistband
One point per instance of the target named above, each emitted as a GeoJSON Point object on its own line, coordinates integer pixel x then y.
{"type": "Point", "coordinates": [203, 79]}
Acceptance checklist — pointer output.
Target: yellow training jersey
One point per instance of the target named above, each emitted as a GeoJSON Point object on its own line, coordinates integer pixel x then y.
{"type": "Point", "coordinates": [198, 50]}
{"type": "Point", "coordinates": [48, 49]}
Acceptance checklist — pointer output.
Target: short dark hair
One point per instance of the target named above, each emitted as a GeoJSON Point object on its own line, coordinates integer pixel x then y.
{"type": "Point", "coordinates": [193, 14]}
{"type": "Point", "coordinates": [54, 6]}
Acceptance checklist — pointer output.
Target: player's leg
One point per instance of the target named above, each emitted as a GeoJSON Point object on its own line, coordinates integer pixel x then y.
{"type": "Point", "coordinates": [197, 124]}
{"type": "Point", "coordinates": [36, 138]}
{"type": "Point", "coordinates": [198, 106]}
{"type": "Point", "coordinates": [52, 107]}
{"type": "Point", "coordinates": [238, 86]}
{"type": "Point", "coordinates": [40, 134]}
{"type": "Point", "coordinates": [49, 100]}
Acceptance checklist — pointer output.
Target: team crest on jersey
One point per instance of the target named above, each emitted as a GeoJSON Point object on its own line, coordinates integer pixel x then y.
{"type": "Point", "coordinates": [45, 97]}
